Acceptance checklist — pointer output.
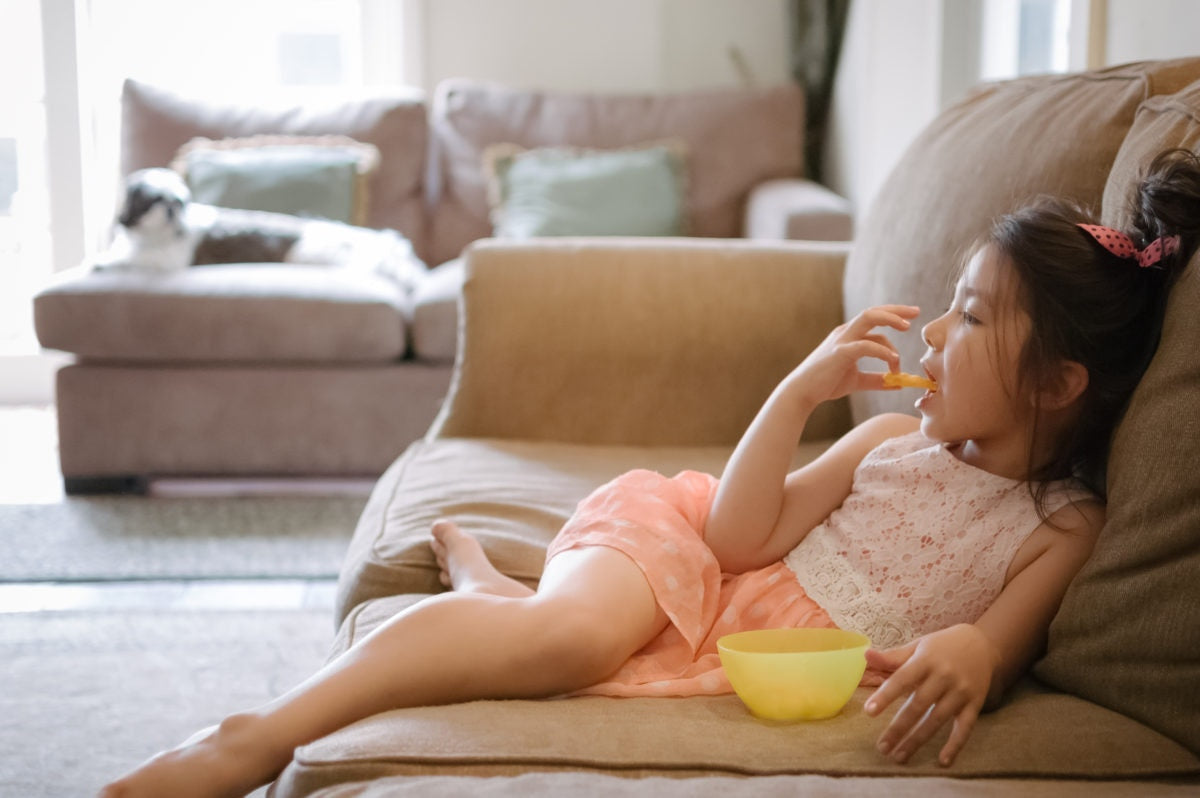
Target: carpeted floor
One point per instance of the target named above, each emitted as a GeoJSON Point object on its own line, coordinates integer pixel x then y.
{"type": "Point", "coordinates": [86, 696]}
{"type": "Point", "coordinates": [122, 538]}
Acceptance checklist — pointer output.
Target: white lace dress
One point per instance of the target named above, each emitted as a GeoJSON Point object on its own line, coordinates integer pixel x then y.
{"type": "Point", "coordinates": [922, 542]}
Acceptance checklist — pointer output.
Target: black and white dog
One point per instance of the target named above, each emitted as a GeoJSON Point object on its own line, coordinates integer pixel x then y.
{"type": "Point", "coordinates": [159, 229]}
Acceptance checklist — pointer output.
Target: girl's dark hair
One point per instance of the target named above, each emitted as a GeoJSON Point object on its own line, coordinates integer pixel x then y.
{"type": "Point", "coordinates": [1090, 306]}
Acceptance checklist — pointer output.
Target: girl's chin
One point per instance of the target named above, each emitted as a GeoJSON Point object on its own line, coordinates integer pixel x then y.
{"type": "Point", "coordinates": [929, 427]}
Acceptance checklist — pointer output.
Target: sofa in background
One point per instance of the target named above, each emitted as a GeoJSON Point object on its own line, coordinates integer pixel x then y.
{"type": "Point", "coordinates": [249, 370]}
{"type": "Point", "coordinates": [581, 359]}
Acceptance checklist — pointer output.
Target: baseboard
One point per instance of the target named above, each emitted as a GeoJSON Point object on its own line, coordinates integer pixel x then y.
{"type": "Point", "coordinates": [77, 486]}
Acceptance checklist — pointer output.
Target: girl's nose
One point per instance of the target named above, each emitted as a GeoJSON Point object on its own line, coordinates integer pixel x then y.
{"type": "Point", "coordinates": [931, 334]}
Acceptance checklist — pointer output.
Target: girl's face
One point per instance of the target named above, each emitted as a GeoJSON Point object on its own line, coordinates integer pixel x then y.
{"type": "Point", "coordinates": [973, 354]}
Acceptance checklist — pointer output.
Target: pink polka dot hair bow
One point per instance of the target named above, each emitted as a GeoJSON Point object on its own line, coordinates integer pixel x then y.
{"type": "Point", "coordinates": [1122, 245]}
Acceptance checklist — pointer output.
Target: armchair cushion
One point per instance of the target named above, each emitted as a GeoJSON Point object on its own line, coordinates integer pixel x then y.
{"type": "Point", "coordinates": [1050, 734]}
{"type": "Point", "coordinates": [1128, 633]}
{"type": "Point", "coordinates": [486, 487]}
{"type": "Point", "coordinates": [1162, 122]}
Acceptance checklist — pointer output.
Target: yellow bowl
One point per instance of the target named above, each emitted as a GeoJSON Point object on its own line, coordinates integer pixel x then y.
{"type": "Point", "coordinates": [794, 674]}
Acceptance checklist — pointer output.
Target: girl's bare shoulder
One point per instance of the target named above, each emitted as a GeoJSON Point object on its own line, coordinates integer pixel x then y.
{"type": "Point", "coordinates": [1067, 536]}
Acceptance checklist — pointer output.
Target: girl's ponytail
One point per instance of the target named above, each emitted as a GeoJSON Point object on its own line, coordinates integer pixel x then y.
{"type": "Point", "coordinates": [1167, 203]}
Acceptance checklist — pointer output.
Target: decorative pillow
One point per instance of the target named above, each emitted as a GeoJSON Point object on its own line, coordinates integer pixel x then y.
{"type": "Point", "coordinates": [1127, 635]}
{"type": "Point", "coordinates": [315, 176]}
{"type": "Point", "coordinates": [561, 191]}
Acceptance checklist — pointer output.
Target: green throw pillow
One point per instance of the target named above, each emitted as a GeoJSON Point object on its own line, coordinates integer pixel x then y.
{"type": "Point", "coordinates": [301, 180]}
{"type": "Point", "coordinates": [575, 192]}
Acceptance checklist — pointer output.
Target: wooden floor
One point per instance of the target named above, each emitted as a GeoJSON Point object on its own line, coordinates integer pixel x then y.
{"type": "Point", "coordinates": [29, 475]}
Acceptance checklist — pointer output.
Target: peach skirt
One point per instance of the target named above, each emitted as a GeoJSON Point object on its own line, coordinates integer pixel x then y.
{"type": "Point", "coordinates": [658, 522]}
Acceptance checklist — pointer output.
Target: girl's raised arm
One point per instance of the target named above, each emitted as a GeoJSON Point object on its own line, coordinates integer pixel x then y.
{"type": "Point", "coordinates": [760, 512]}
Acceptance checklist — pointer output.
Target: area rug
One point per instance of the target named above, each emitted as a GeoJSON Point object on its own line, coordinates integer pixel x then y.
{"type": "Point", "coordinates": [137, 537]}
{"type": "Point", "coordinates": [87, 696]}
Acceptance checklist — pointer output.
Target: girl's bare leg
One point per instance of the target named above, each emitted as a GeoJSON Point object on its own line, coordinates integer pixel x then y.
{"type": "Point", "coordinates": [465, 566]}
{"type": "Point", "coordinates": [592, 611]}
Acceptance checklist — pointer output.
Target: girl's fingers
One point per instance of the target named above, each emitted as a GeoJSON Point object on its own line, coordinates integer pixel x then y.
{"type": "Point", "coordinates": [879, 339]}
{"type": "Point", "coordinates": [895, 316]}
{"type": "Point", "coordinates": [898, 683]}
{"type": "Point", "coordinates": [872, 349]}
{"type": "Point", "coordinates": [963, 725]}
{"type": "Point", "coordinates": [908, 720]}
{"type": "Point", "coordinates": [944, 710]}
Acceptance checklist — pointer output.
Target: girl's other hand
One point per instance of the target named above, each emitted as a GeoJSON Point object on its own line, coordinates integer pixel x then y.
{"type": "Point", "coordinates": [831, 370]}
{"type": "Point", "coordinates": [946, 676]}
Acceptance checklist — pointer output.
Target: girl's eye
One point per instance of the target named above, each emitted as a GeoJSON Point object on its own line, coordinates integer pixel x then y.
{"type": "Point", "coordinates": [967, 317]}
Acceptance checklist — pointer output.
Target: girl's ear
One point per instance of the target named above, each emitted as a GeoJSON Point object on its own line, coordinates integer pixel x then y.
{"type": "Point", "coordinates": [1069, 385]}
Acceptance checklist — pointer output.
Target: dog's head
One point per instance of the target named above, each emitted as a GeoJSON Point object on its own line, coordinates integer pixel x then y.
{"type": "Point", "coordinates": [154, 201]}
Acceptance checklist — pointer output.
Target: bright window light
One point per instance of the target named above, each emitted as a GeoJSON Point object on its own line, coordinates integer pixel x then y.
{"type": "Point", "coordinates": [1024, 37]}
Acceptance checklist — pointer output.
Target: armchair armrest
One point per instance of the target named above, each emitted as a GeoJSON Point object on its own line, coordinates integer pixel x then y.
{"type": "Point", "coordinates": [797, 209]}
{"type": "Point", "coordinates": [637, 341]}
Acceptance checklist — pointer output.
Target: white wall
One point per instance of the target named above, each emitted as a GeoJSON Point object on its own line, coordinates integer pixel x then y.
{"type": "Point", "coordinates": [905, 60]}
{"type": "Point", "coordinates": [613, 46]}
{"type": "Point", "coordinates": [888, 87]}
{"type": "Point", "coordinates": [1145, 29]}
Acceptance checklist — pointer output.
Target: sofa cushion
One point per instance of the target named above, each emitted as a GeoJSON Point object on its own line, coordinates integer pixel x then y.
{"type": "Point", "coordinates": [1128, 633]}
{"type": "Point", "coordinates": [236, 313]}
{"type": "Point", "coordinates": [735, 139]}
{"type": "Point", "coordinates": [435, 313]}
{"type": "Point", "coordinates": [1037, 732]}
{"type": "Point", "coordinates": [156, 123]}
{"type": "Point", "coordinates": [1041, 135]}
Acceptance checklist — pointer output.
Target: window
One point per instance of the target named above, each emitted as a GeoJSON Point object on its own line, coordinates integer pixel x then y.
{"type": "Point", "coordinates": [1023, 37]}
{"type": "Point", "coordinates": [24, 202]}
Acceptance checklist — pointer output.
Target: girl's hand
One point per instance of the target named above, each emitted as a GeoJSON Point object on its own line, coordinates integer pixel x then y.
{"type": "Point", "coordinates": [831, 370]}
{"type": "Point", "coordinates": [946, 676]}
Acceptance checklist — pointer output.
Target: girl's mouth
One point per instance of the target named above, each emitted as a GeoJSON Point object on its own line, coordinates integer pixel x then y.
{"type": "Point", "coordinates": [930, 393]}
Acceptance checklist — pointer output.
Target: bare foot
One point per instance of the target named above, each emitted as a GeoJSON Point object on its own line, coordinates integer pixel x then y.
{"type": "Point", "coordinates": [465, 566]}
{"type": "Point", "coordinates": [226, 760]}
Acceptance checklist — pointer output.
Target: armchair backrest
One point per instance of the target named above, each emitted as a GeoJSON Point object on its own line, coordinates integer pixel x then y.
{"type": "Point", "coordinates": [637, 341]}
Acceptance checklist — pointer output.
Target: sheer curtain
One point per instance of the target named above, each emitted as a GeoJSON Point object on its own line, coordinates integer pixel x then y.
{"type": "Point", "coordinates": [818, 28]}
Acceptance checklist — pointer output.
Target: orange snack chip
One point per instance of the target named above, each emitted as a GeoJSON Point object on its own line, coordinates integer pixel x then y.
{"type": "Point", "coordinates": [902, 380]}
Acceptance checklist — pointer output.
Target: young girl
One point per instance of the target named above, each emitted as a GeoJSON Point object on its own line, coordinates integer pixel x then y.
{"type": "Point", "coordinates": [950, 539]}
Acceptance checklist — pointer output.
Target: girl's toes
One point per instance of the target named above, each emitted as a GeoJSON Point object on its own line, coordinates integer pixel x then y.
{"type": "Point", "coordinates": [443, 529]}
